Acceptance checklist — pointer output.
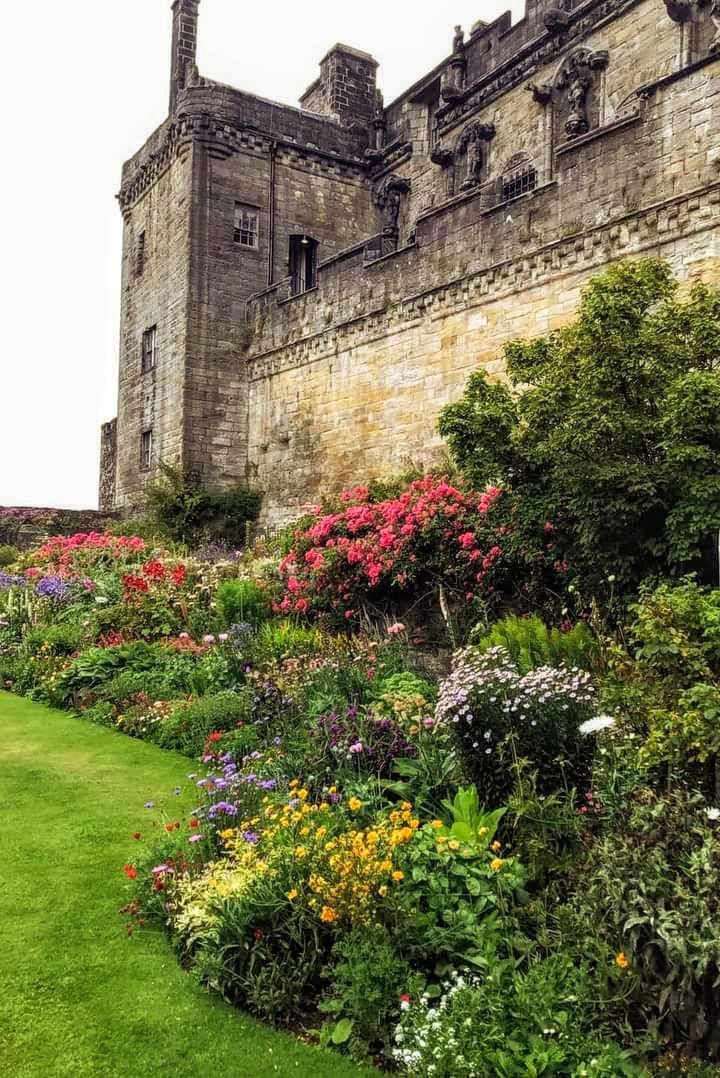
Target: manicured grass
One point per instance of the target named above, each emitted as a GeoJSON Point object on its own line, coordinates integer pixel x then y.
{"type": "Point", "coordinates": [78, 996]}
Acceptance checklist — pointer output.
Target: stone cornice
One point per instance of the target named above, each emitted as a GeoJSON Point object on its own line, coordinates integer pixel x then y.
{"type": "Point", "coordinates": [534, 54]}
{"type": "Point", "coordinates": [224, 139]}
{"type": "Point", "coordinates": [627, 234]}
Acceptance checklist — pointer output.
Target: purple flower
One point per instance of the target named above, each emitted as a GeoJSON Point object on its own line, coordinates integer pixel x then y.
{"type": "Point", "coordinates": [53, 588]}
{"type": "Point", "coordinates": [268, 784]}
{"type": "Point", "coordinates": [356, 748]}
{"type": "Point", "coordinates": [251, 837]}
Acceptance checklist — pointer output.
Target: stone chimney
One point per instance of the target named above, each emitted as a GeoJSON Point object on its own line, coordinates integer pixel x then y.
{"type": "Point", "coordinates": [184, 45]}
{"type": "Point", "coordinates": [346, 88]}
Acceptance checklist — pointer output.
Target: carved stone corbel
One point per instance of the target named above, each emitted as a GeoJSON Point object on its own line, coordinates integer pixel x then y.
{"type": "Point", "coordinates": [442, 155]}
{"type": "Point", "coordinates": [542, 92]}
{"type": "Point", "coordinates": [556, 20]}
{"type": "Point", "coordinates": [681, 11]}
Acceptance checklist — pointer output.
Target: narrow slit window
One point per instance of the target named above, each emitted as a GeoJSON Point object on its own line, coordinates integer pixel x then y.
{"type": "Point", "coordinates": [140, 255]}
{"type": "Point", "coordinates": [247, 226]}
{"type": "Point", "coordinates": [149, 350]}
{"type": "Point", "coordinates": [519, 182]}
{"type": "Point", "coordinates": [146, 449]}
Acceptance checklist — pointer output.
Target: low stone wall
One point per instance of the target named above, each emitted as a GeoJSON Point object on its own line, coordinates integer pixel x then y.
{"type": "Point", "coordinates": [26, 528]}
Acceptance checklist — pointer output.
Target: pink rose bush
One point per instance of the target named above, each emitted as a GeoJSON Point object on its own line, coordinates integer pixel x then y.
{"type": "Point", "coordinates": [431, 535]}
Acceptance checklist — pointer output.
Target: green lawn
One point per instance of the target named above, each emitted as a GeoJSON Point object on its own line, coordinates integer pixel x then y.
{"type": "Point", "coordinates": [78, 996]}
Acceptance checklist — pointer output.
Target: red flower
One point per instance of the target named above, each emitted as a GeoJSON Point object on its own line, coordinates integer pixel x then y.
{"type": "Point", "coordinates": [258, 934]}
{"type": "Point", "coordinates": [130, 871]}
{"type": "Point", "coordinates": [178, 576]}
{"type": "Point", "coordinates": [137, 836]}
{"type": "Point", "coordinates": [194, 823]}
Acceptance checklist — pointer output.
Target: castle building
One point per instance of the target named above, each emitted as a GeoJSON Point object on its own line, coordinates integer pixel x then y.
{"type": "Point", "coordinates": [304, 289]}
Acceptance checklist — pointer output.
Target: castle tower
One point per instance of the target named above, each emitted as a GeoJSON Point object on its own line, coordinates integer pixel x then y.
{"type": "Point", "coordinates": [232, 196]}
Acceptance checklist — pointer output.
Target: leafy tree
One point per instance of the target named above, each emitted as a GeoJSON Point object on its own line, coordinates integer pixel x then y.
{"type": "Point", "coordinates": [609, 429]}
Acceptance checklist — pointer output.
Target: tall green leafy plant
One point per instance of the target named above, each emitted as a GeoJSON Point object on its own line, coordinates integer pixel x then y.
{"type": "Point", "coordinates": [608, 430]}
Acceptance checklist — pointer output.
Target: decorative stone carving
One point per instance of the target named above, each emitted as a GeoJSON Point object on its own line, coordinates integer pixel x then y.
{"type": "Point", "coordinates": [576, 76]}
{"type": "Point", "coordinates": [541, 91]}
{"type": "Point", "coordinates": [388, 198]}
{"type": "Point", "coordinates": [556, 19]}
{"type": "Point", "coordinates": [454, 82]}
{"type": "Point", "coordinates": [681, 11]}
{"type": "Point", "coordinates": [379, 126]}
{"type": "Point", "coordinates": [470, 145]}
{"type": "Point", "coordinates": [442, 155]}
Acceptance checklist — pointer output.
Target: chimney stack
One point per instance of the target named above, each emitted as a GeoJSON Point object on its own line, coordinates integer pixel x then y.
{"type": "Point", "coordinates": [184, 45]}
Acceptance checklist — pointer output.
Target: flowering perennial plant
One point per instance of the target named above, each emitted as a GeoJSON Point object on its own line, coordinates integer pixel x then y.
{"type": "Point", "coordinates": [500, 717]}
{"type": "Point", "coordinates": [432, 534]}
{"type": "Point", "coordinates": [75, 554]}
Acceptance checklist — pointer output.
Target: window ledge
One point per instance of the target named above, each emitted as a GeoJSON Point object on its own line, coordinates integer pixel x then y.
{"type": "Point", "coordinates": [598, 132]}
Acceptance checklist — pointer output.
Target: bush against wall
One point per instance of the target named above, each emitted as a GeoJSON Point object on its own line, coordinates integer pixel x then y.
{"type": "Point", "coordinates": [187, 513]}
{"type": "Point", "coordinates": [609, 428]}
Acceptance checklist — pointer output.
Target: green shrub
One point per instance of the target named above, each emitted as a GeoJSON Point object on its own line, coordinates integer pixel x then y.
{"type": "Point", "coordinates": [8, 555]}
{"type": "Point", "coordinates": [243, 601]}
{"type": "Point", "coordinates": [96, 666]}
{"type": "Point", "coordinates": [285, 640]}
{"type": "Point", "coordinates": [62, 638]}
{"type": "Point", "coordinates": [530, 643]}
{"type": "Point", "coordinates": [649, 888]}
{"type": "Point", "coordinates": [187, 513]}
{"type": "Point", "coordinates": [188, 728]}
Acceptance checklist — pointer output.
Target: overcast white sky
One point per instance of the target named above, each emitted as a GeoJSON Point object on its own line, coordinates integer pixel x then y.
{"type": "Point", "coordinates": [83, 83]}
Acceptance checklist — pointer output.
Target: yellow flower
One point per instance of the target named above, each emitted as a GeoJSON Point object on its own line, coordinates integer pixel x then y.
{"type": "Point", "coordinates": [301, 852]}
{"type": "Point", "coordinates": [437, 824]}
{"type": "Point", "coordinates": [303, 795]}
{"type": "Point", "coordinates": [293, 894]}
{"type": "Point", "coordinates": [441, 839]}
{"type": "Point", "coordinates": [328, 915]}
{"type": "Point", "coordinates": [398, 875]}
{"type": "Point", "coordinates": [482, 832]}
{"type": "Point", "coordinates": [622, 960]}
{"type": "Point", "coordinates": [406, 806]}
{"type": "Point", "coordinates": [496, 864]}
{"type": "Point", "coordinates": [372, 836]}
{"type": "Point", "coordinates": [354, 804]}
{"type": "Point", "coordinates": [453, 844]}
{"type": "Point", "coordinates": [225, 835]}
{"type": "Point", "coordinates": [293, 784]}
{"type": "Point", "coordinates": [382, 891]}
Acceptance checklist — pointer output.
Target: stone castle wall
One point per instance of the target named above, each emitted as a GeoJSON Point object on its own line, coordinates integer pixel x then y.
{"type": "Point", "coordinates": [430, 256]}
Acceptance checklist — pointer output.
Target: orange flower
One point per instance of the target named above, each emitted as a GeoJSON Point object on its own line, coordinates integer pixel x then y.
{"type": "Point", "coordinates": [130, 871]}
{"type": "Point", "coordinates": [137, 836]}
{"type": "Point", "coordinates": [328, 915]}
{"type": "Point", "coordinates": [622, 960]}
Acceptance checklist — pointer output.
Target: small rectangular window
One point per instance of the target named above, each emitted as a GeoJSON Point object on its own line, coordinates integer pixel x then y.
{"type": "Point", "coordinates": [519, 182]}
{"type": "Point", "coordinates": [246, 225]}
{"type": "Point", "coordinates": [146, 448]}
{"type": "Point", "coordinates": [140, 255]}
{"type": "Point", "coordinates": [149, 350]}
{"type": "Point", "coordinates": [302, 264]}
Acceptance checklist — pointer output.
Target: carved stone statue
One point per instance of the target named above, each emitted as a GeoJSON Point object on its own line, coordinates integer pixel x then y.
{"type": "Point", "coordinates": [459, 41]}
{"type": "Point", "coordinates": [474, 162]}
{"type": "Point", "coordinates": [577, 77]}
{"type": "Point", "coordinates": [388, 197]}
{"type": "Point", "coordinates": [470, 144]}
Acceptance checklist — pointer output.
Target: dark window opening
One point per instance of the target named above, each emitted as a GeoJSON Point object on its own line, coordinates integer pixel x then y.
{"type": "Point", "coordinates": [146, 447]}
{"type": "Point", "coordinates": [149, 350]}
{"type": "Point", "coordinates": [246, 225]}
{"type": "Point", "coordinates": [303, 264]}
{"type": "Point", "coordinates": [140, 255]}
{"type": "Point", "coordinates": [519, 182]}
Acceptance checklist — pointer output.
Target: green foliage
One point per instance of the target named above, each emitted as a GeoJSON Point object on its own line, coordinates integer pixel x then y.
{"type": "Point", "coordinates": [367, 979]}
{"type": "Point", "coordinates": [188, 728]}
{"type": "Point", "coordinates": [650, 889]}
{"type": "Point", "coordinates": [62, 638]}
{"type": "Point", "coordinates": [532, 1022]}
{"type": "Point", "coordinates": [610, 428]}
{"type": "Point", "coordinates": [284, 640]}
{"type": "Point", "coordinates": [8, 555]}
{"type": "Point", "coordinates": [187, 513]}
{"type": "Point", "coordinates": [243, 601]}
{"type": "Point", "coordinates": [530, 643]}
{"type": "Point", "coordinates": [94, 667]}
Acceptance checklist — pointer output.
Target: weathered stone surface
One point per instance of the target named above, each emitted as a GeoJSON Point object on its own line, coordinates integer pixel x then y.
{"type": "Point", "coordinates": [425, 272]}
